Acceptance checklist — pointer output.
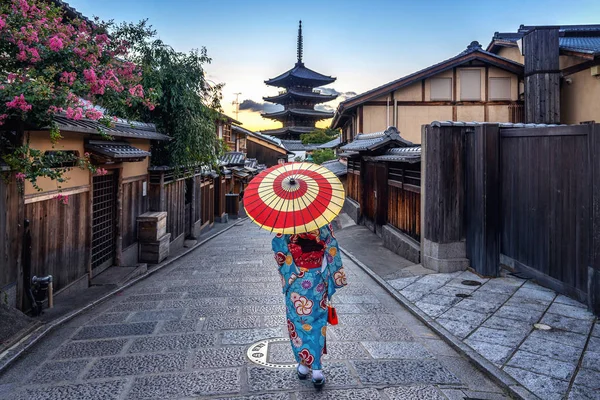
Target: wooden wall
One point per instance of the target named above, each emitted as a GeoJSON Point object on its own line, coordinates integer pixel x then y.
{"type": "Point", "coordinates": [134, 204]}
{"type": "Point", "coordinates": [60, 237]}
{"type": "Point", "coordinates": [263, 154]}
{"type": "Point", "coordinates": [175, 203]}
{"type": "Point", "coordinates": [11, 233]}
{"type": "Point", "coordinates": [404, 198]}
{"type": "Point", "coordinates": [354, 189]}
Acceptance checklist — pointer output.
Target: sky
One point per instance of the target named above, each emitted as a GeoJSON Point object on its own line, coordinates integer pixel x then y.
{"type": "Point", "coordinates": [364, 44]}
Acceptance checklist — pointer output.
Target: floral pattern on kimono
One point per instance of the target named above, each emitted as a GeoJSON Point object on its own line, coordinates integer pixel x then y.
{"type": "Point", "coordinates": [307, 292]}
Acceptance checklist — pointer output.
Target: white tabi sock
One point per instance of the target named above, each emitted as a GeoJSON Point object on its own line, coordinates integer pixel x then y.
{"type": "Point", "coordinates": [317, 374]}
{"type": "Point", "coordinates": [303, 369]}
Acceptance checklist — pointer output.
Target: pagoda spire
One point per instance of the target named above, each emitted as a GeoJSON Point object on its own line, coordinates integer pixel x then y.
{"type": "Point", "coordinates": [300, 43]}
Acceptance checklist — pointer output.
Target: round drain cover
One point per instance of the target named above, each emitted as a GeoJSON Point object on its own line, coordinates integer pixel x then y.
{"type": "Point", "coordinates": [471, 283]}
{"type": "Point", "coordinates": [462, 295]}
{"type": "Point", "coordinates": [542, 327]}
{"type": "Point", "coordinates": [258, 353]}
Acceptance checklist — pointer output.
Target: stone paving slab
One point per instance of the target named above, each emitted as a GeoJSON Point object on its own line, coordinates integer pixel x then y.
{"type": "Point", "coordinates": [497, 319]}
{"type": "Point", "coordinates": [173, 338]}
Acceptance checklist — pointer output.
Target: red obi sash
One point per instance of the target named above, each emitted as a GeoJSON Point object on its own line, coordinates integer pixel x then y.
{"type": "Point", "coordinates": [307, 250]}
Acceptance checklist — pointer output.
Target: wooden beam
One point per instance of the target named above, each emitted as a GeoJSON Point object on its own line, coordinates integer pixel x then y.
{"type": "Point", "coordinates": [446, 103]}
{"type": "Point", "coordinates": [423, 90]}
{"type": "Point", "coordinates": [487, 93]}
{"type": "Point", "coordinates": [360, 121]}
{"type": "Point", "coordinates": [579, 67]}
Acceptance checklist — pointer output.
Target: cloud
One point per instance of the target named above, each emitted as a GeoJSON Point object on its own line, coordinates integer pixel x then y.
{"type": "Point", "coordinates": [342, 96]}
{"type": "Point", "coordinates": [254, 106]}
{"type": "Point", "coordinates": [324, 107]}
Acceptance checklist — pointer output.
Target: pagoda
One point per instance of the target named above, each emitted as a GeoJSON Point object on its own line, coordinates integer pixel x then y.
{"type": "Point", "coordinates": [298, 99]}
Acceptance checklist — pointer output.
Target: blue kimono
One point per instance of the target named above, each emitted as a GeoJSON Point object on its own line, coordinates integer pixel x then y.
{"type": "Point", "coordinates": [307, 290]}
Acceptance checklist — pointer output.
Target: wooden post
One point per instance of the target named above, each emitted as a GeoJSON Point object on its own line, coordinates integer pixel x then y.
{"type": "Point", "coordinates": [119, 223]}
{"type": "Point", "coordinates": [542, 76]}
{"type": "Point", "coordinates": [443, 234]}
{"type": "Point", "coordinates": [482, 208]}
{"type": "Point", "coordinates": [593, 289]}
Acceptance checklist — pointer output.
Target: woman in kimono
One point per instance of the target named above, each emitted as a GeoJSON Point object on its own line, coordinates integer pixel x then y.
{"type": "Point", "coordinates": [311, 270]}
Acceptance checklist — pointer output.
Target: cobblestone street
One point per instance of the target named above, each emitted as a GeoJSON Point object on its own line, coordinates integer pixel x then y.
{"type": "Point", "coordinates": [185, 331]}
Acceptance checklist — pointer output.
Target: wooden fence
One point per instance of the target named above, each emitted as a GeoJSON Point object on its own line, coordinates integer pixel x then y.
{"type": "Point", "coordinates": [11, 233]}
{"type": "Point", "coordinates": [530, 201]}
{"type": "Point", "coordinates": [404, 198]}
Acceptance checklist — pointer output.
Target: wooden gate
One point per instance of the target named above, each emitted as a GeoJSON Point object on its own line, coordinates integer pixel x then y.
{"type": "Point", "coordinates": [103, 222]}
{"type": "Point", "coordinates": [375, 195]}
{"type": "Point", "coordinates": [546, 192]}
{"type": "Point", "coordinates": [532, 203]}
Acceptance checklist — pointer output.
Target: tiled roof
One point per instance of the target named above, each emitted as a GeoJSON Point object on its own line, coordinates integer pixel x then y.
{"type": "Point", "coordinates": [291, 93]}
{"type": "Point", "coordinates": [117, 150]}
{"type": "Point", "coordinates": [300, 112]}
{"type": "Point", "coordinates": [335, 166]}
{"type": "Point", "coordinates": [331, 144]}
{"type": "Point", "coordinates": [233, 158]}
{"type": "Point", "coordinates": [576, 38]}
{"type": "Point", "coordinates": [289, 129]}
{"type": "Point", "coordinates": [501, 124]}
{"type": "Point", "coordinates": [135, 130]}
{"type": "Point", "coordinates": [300, 74]}
{"type": "Point", "coordinates": [401, 154]}
{"type": "Point", "coordinates": [372, 141]}
{"type": "Point", "coordinates": [296, 145]}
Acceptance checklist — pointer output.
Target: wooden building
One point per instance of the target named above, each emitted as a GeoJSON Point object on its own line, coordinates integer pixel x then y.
{"type": "Point", "coordinates": [260, 147]}
{"type": "Point", "coordinates": [82, 226]}
{"type": "Point", "coordinates": [475, 85]}
{"type": "Point", "coordinates": [383, 189]}
{"type": "Point", "coordinates": [563, 63]}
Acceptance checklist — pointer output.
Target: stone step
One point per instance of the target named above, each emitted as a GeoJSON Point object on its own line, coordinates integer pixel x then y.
{"type": "Point", "coordinates": [119, 275]}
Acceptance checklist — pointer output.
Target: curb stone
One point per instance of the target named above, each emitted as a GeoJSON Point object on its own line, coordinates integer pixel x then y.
{"type": "Point", "coordinates": [9, 356]}
{"type": "Point", "coordinates": [502, 378]}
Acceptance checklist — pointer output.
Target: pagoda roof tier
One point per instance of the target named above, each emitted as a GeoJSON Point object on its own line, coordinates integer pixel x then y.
{"type": "Point", "coordinates": [291, 94]}
{"type": "Point", "coordinates": [299, 112]}
{"type": "Point", "coordinates": [300, 76]}
{"type": "Point", "coordinates": [289, 131]}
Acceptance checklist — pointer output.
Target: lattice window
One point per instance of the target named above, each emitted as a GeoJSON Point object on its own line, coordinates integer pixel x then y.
{"type": "Point", "coordinates": [103, 223]}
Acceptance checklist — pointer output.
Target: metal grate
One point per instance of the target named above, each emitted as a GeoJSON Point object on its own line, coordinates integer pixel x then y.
{"type": "Point", "coordinates": [103, 225]}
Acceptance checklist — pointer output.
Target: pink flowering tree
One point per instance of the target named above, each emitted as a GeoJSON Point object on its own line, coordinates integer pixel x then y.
{"type": "Point", "coordinates": [51, 64]}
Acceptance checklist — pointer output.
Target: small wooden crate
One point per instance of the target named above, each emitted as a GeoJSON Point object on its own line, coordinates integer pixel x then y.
{"type": "Point", "coordinates": [155, 252]}
{"type": "Point", "coordinates": [152, 226]}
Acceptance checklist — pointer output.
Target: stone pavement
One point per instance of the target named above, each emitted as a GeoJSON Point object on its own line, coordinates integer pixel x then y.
{"type": "Point", "coordinates": [184, 333]}
{"type": "Point", "coordinates": [496, 318]}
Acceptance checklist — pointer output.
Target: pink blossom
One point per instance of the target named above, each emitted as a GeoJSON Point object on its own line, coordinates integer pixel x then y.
{"type": "Point", "coordinates": [68, 77]}
{"type": "Point", "coordinates": [90, 75]}
{"type": "Point", "coordinates": [20, 177]}
{"type": "Point", "coordinates": [93, 114]}
{"type": "Point", "coordinates": [20, 103]}
{"type": "Point", "coordinates": [54, 110]}
{"type": "Point", "coordinates": [86, 154]}
{"type": "Point", "coordinates": [74, 113]}
{"type": "Point", "coordinates": [101, 39]}
{"type": "Point", "coordinates": [2, 22]}
{"type": "Point", "coordinates": [63, 198]}
{"type": "Point", "coordinates": [2, 118]}
{"type": "Point", "coordinates": [55, 43]}
{"type": "Point", "coordinates": [11, 77]}
{"type": "Point", "coordinates": [136, 91]}
{"type": "Point", "coordinates": [101, 171]}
